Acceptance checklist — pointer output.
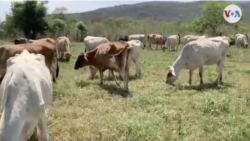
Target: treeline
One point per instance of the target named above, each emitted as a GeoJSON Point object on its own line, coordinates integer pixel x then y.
{"type": "Point", "coordinates": [30, 19]}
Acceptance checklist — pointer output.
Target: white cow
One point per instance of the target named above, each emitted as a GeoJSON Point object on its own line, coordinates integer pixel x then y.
{"type": "Point", "coordinates": [141, 37]}
{"type": "Point", "coordinates": [136, 46]}
{"type": "Point", "coordinates": [172, 41]}
{"type": "Point", "coordinates": [25, 91]}
{"type": "Point", "coordinates": [196, 54]}
{"type": "Point", "coordinates": [241, 39]}
{"type": "Point", "coordinates": [91, 42]}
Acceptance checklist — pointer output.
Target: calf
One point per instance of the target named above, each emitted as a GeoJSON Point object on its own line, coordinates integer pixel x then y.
{"type": "Point", "coordinates": [25, 91]}
{"type": "Point", "coordinates": [91, 42]}
{"type": "Point", "coordinates": [100, 58]}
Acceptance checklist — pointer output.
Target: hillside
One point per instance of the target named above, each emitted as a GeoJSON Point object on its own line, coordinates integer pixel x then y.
{"type": "Point", "coordinates": [162, 11]}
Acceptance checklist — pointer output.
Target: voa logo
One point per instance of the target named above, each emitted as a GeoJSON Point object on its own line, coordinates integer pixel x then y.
{"type": "Point", "coordinates": [232, 13]}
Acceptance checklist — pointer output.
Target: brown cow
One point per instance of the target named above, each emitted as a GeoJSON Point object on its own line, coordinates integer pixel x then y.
{"type": "Point", "coordinates": [45, 46]}
{"type": "Point", "coordinates": [157, 39]}
{"type": "Point", "coordinates": [101, 56]}
{"type": "Point", "coordinates": [63, 46]}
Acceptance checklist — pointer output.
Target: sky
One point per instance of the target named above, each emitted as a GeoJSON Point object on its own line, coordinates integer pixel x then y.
{"type": "Point", "coordinates": [72, 6]}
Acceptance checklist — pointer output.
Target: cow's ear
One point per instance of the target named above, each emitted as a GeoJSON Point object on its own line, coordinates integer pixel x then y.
{"type": "Point", "coordinates": [168, 68]}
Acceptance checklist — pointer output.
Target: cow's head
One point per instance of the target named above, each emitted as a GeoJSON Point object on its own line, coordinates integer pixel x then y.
{"type": "Point", "coordinates": [171, 75]}
{"type": "Point", "coordinates": [123, 38]}
{"type": "Point", "coordinates": [21, 41]}
{"type": "Point", "coordinates": [81, 61]}
{"type": "Point", "coordinates": [68, 55]}
{"type": "Point", "coordinates": [164, 40]}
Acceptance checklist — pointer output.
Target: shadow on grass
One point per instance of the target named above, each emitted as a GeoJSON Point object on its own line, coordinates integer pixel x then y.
{"type": "Point", "coordinates": [206, 86]}
{"type": "Point", "coordinates": [131, 78]}
{"type": "Point", "coordinates": [116, 90]}
{"type": "Point", "coordinates": [62, 60]}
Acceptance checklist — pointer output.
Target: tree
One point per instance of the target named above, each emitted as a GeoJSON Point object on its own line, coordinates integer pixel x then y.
{"type": "Point", "coordinates": [58, 25]}
{"type": "Point", "coordinates": [29, 17]}
{"type": "Point", "coordinates": [81, 30]}
{"type": "Point", "coordinates": [8, 27]}
{"type": "Point", "coordinates": [60, 12]}
{"type": "Point", "coordinates": [211, 18]}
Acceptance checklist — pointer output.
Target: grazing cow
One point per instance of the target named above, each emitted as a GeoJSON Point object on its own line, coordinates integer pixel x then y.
{"type": "Point", "coordinates": [22, 41]}
{"type": "Point", "coordinates": [172, 41]}
{"type": "Point", "coordinates": [156, 39]}
{"type": "Point", "coordinates": [140, 37]}
{"type": "Point", "coordinates": [25, 91]}
{"type": "Point", "coordinates": [91, 43]}
{"type": "Point", "coordinates": [196, 54]}
{"type": "Point", "coordinates": [63, 46]}
{"type": "Point", "coordinates": [136, 46]}
{"type": "Point", "coordinates": [45, 46]}
{"type": "Point", "coordinates": [100, 58]}
{"type": "Point", "coordinates": [241, 40]}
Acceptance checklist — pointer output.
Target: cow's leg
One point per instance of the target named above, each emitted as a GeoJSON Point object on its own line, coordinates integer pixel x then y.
{"type": "Point", "coordinates": [93, 71]}
{"type": "Point", "coordinates": [138, 66]}
{"type": "Point", "coordinates": [190, 77]}
{"type": "Point", "coordinates": [201, 75]}
{"type": "Point", "coordinates": [220, 69]}
{"type": "Point", "coordinates": [126, 78]}
{"type": "Point", "coordinates": [53, 74]}
{"type": "Point", "coordinates": [101, 76]}
{"type": "Point", "coordinates": [61, 55]}
{"type": "Point", "coordinates": [42, 126]}
{"type": "Point", "coordinates": [113, 74]}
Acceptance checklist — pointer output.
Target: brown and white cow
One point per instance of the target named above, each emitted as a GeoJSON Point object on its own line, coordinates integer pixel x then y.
{"type": "Point", "coordinates": [157, 39]}
{"type": "Point", "coordinates": [101, 57]}
{"type": "Point", "coordinates": [45, 46]}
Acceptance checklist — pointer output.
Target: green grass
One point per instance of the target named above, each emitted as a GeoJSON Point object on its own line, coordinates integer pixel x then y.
{"type": "Point", "coordinates": [157, 111]}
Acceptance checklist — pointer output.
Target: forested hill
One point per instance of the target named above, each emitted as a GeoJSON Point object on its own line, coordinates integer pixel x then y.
{"type": "Point", "coordinates": [156, 10]}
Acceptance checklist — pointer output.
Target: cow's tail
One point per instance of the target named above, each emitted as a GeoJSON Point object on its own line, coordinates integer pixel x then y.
{"type": "Point", "coordinates": [57, 68]}
{"type": "Point", "coordinates": [179, 38]}
{"type": "Point", "coordinates": [57, 57]}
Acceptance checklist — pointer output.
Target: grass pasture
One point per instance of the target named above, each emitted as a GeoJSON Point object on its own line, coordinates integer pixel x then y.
{"type": "Point", "coordinates": [84, 111]}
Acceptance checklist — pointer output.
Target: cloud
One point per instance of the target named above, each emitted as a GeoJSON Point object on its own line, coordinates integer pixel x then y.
{"type": "Point", "coordinates": [75, 5]}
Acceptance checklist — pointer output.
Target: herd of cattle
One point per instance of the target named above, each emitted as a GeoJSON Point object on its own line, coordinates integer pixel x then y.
{"type": "Point", "coordinates": [26, 69]}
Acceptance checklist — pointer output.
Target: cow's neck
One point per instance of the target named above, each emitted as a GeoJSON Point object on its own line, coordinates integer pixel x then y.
{"type": "Point", "coordinates": [91, 59]}
{"type": "Point", "coordinates": [178, 65]}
